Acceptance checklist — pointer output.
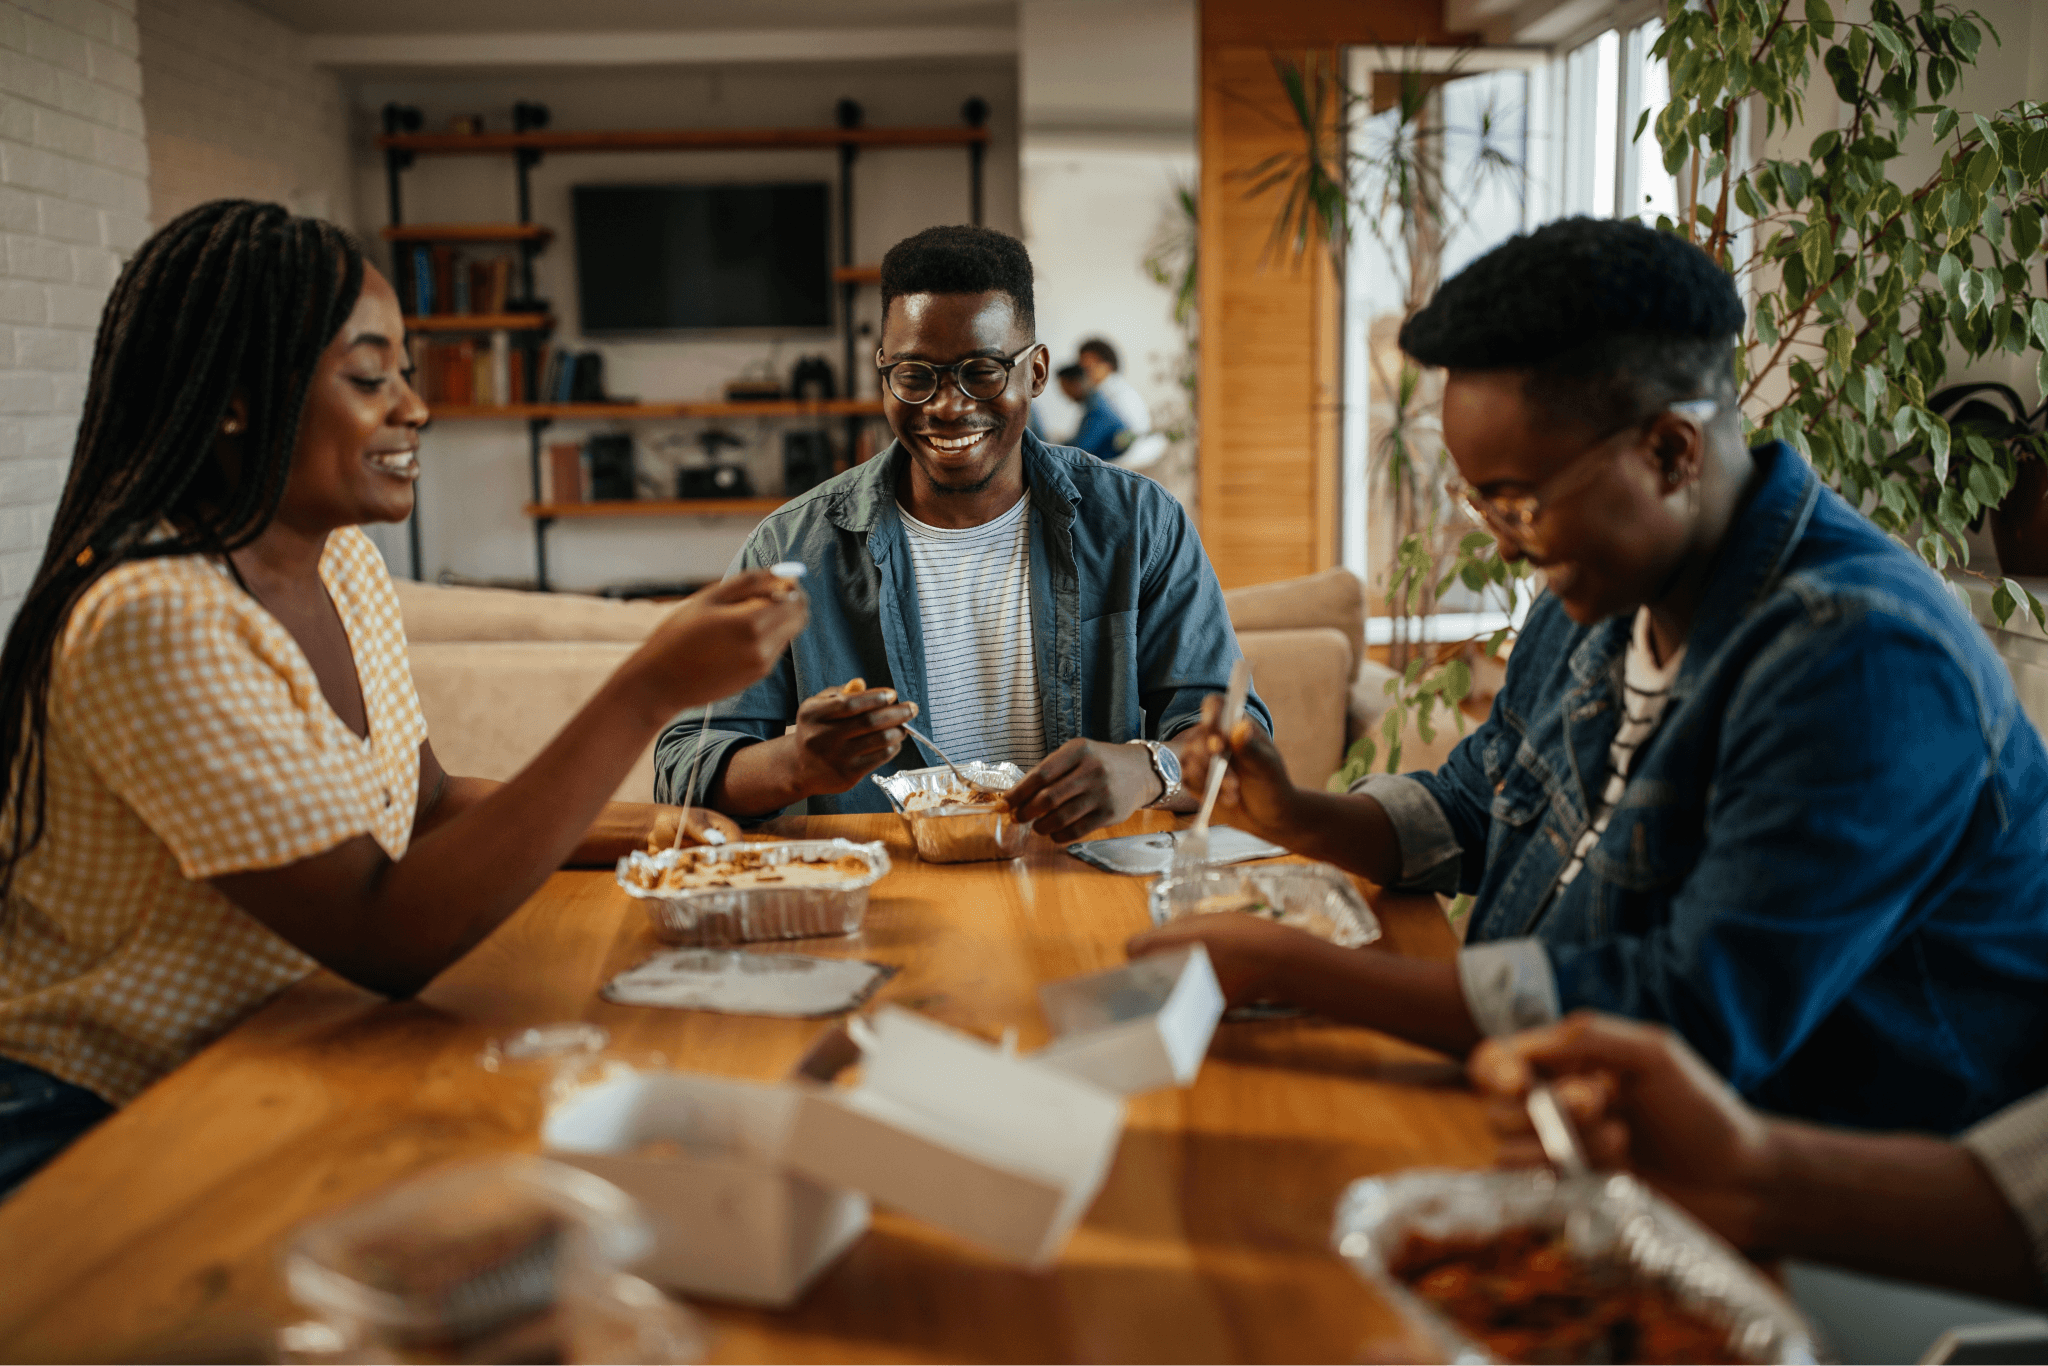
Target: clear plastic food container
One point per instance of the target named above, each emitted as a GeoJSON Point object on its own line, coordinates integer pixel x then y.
{"type": "Point", "coordinates": [1315, 897]}
{"type": "Point", "coordinates": [741, 914]}
{"type": "Point", "coordinates": [500, 1259]}
{"type": "Point", "coordinates": [962, 832]}
{"type": "Point", "coordinates": [1633, 1237]}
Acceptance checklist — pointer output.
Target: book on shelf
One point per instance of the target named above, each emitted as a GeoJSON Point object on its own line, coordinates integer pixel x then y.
{"type": "Point", "coordinates": [566, 475]}
{"type": "Point", "coordinates": [444, 280]}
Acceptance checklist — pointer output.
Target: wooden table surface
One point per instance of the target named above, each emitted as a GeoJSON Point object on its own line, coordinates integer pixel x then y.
{"type": "Point", "coordinates": [156, 1236]}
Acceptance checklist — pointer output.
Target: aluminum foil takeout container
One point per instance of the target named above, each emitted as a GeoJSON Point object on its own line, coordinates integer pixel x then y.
{"type": "Point", "coordinates": [958, 834]}
{"type": "Point", "coordinates": [1604, 1218]}
{"type": "Point", "coordinates": [735, 915]}
{"type": "Point", "coordinates": [1311, 895]}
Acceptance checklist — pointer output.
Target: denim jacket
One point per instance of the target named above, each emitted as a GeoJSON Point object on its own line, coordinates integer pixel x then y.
{"type": "Point", "coordinates": [1829, 867]}
{"type": "Point", "coordinates": [1126, 616]}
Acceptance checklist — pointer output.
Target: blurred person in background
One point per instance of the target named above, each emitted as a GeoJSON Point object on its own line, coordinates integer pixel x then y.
{"type": "Point", "coordinates": [1102, 433]}
{"type": "Point", "coordinates": [1098, 360]}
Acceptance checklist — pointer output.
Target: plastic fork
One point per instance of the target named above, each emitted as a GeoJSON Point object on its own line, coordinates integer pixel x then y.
{"type": "Point", "coordinates": [1191, 846]}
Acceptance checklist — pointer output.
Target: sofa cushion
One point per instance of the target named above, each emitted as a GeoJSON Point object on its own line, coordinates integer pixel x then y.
{"type": "Point", "coordinates": [1304, 676]}
{"type": "Point", "coordinates": [435, 611]}
{"type": "Point", "coordinates": [1333, 598]}
{"type": "Point", "coordinates": [492, 705]}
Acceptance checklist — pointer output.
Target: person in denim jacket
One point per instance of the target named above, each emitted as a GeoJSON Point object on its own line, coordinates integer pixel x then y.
{"type": "Point", "coordinates": [1023, 602]}
{"type": "Point", "coordinates": [1753, 773]}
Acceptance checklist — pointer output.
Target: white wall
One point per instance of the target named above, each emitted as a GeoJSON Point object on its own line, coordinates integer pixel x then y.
{"type": "Point", "coordinates": [74, 201]}
{"type": "Point", "coordinates": [234, 110]}
{"type": "Point", "coordinates": [1108, 101]}
{"type": "Point", "coordinates": [475, 475]}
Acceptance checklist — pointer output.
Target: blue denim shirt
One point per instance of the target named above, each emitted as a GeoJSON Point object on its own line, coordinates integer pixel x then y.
{"type": "Point", "coordinates": [1126, 615]}
{"type": "Point", "coordinates": [1829, 867]}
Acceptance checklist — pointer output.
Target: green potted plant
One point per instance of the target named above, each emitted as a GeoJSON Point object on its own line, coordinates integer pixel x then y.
{"type": "Point", "coordinates": [1374, 163]}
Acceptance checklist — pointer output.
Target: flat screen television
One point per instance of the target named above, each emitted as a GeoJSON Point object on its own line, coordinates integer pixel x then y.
{"type": "Point", "coordinates": [681, 258]}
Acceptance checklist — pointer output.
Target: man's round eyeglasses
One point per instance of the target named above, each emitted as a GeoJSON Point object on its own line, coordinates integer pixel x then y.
{"type": "Point", "coordinates": [1515, 515]}
{"type": "Point", "coordinates": [980, 377]}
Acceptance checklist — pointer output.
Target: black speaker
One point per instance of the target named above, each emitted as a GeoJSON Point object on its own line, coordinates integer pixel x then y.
{"type": "Point", "coordinates": [611, 467]}
{"type": "Point", "coordinates": [812, 379]}
{"type": "Point", "coordinates": [713, 481]}
{"type": "Point", "coordinates": [806, 461]}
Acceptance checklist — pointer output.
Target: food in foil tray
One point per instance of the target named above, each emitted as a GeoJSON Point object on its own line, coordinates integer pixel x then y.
{"type": "Point", "coordinates": [740, 893]}
{"type": "Point", "coordinates": [1314, 919]}
{"type": "Point", "coordinates": [954, 793]}
{"type": "Point", "coordinates": [951, 822]}
{"type": "Point", "coordinates": [1313, 897]}
{"type": "Point", "coordinates": [1526, 1296]}
{"type": "Point", "coordinates": [744, 866]}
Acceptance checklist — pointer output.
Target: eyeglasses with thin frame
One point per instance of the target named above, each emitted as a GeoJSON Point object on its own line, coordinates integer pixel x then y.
{"type": "Point", "coordinates": [980, 378]}
{"type": "Point", "coordinates": [1515, 515]}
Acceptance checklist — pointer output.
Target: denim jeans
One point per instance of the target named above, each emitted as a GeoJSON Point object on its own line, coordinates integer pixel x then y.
{"type": "Point", "coordinates": [39, 1117]}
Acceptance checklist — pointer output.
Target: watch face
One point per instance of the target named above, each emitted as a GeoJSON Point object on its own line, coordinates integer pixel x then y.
{"type": "Point", "coordinates": [1169, 764]}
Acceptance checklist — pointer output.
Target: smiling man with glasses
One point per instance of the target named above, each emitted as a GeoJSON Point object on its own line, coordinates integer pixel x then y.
{"type": "Point", "coordinates": [1032, 603]}
{"type": "Point", "coordinates": [1753, 773]}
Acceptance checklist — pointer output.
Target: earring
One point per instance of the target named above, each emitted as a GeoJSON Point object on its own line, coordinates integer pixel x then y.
{"type": "Point", "coordinates": [232, 427]}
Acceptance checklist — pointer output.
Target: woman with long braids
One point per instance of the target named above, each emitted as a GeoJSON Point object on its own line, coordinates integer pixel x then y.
{"type": "Point", "coordinates": [218, 778]}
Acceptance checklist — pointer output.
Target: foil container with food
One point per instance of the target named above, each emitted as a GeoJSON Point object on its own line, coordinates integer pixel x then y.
{"type": "Point", "coordinates": [738, 893]}
{"type": "Point", "coordinates": [512, 1258]}
{"type": "Point", "coordinates": [1526, 1266]}
{"type": "Point", "coordinates": [950, 822]}
{"type": "Point", "coordinates": [1315, 897]}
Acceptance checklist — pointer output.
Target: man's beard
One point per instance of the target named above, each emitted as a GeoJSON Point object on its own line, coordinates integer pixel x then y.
{"type": "Point", "coordinates": [963, 490]}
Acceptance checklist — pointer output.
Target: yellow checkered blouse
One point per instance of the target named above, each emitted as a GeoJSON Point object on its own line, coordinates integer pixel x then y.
{"type": "Point", "coordinates": [188, 738]}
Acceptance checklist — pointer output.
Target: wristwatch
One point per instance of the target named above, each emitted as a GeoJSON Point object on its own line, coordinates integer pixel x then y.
{"type": "Point", "coordinates": [1167, 765]}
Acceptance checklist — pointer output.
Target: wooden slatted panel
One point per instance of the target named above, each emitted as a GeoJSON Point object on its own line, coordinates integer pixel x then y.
{"type": "Point", "coordinates": [1271, 337]}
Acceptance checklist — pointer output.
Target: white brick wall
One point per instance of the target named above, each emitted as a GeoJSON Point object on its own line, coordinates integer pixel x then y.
{"type": "Point", "coordinates": [74, 202]}
{"type": "Point", "coordinates": [234, 110]}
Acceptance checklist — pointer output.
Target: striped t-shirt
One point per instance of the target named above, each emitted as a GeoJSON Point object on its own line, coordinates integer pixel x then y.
{"type": "Point", "coordinates": [1646, 687]}
{"type": "Point", "coordinates": [974, 605]}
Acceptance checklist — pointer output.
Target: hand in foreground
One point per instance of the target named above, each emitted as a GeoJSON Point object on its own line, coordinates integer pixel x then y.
{"type": "Point", "coordinates": [1256, 787]}
{"type": "Point", "coordinates": [722, 639]}
{"type": "Point", "coordinates": [842, 736]}
{"type": "Point", "coordinates": [1643, 1101]}
{"type": "Point", "coordinates": [1254, 958]}
{"type": "Point", "coordinates": [1084, 785]}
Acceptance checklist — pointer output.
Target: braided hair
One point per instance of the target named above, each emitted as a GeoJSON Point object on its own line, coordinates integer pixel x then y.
{"type": "Point", "coordinates": [233, 299]}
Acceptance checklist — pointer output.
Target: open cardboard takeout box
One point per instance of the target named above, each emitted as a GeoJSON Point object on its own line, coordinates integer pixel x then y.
{"type": "Point", "coordinates": [755, 1188]}
{"type": "Point", "coordinates": [704, 1156]}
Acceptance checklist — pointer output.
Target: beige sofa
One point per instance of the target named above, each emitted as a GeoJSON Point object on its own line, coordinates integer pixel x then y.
{"type": "Point", "coordinates": [499, 672]}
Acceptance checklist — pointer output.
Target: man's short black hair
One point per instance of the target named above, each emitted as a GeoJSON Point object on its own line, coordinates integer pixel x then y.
{"type": "Point", "coordinates": [1611, 319]}
{"type": "Point", "coordinates": [961, 260]}
{"type": "Point", "coordinates": [1102, 351]}
{"type": "Point", "coordinates": [1070, 374]}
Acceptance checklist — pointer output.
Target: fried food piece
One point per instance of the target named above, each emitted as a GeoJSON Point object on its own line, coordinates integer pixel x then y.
{"type": "Point", "coordinates": [1526, 1296]}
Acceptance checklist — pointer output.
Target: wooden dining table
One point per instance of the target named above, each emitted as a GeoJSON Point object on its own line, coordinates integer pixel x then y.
{"type": "Point", "coordinates": [156, 1237]}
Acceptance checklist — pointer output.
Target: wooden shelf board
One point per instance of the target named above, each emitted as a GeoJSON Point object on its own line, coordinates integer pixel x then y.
{"type": "Point", "coordinates": [660, 507]}
{"type": "Point", "coordinates": [856, 275]}
{"type": "Point", "coordinates": [838, 407]}
{"type": "Point", "coordinates": [480, 322]}
{"type": "Point", "coordinates": [676, 139]}
{"type": "Point", "coordinates": [469, 232]}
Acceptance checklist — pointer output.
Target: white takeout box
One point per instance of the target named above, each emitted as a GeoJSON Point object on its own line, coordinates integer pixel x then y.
{"type": "Point", "coordinates": [1137, 1028]}
{"type": "Point", "coordinates": [731, 1221]}
{"type": "Point", "coordinates": [1001, 1150]}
